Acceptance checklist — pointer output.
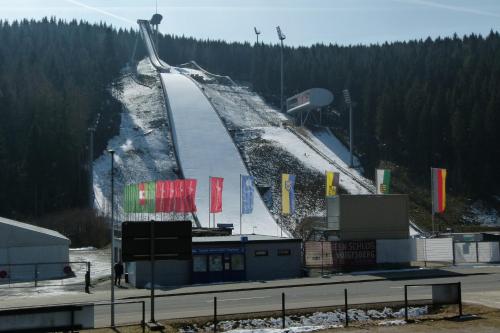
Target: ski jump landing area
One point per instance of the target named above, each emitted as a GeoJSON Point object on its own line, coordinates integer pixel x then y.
{"type": "Point", "coordinates": [204, 148]}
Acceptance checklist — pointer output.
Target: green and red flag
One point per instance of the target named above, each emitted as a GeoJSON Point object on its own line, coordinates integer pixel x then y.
{"type": "Point", "coordinates": [140, 198]}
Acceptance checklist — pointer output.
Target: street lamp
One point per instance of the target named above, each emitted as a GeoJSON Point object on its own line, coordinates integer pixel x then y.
{"type": "Point", "coordinates": [112, 152]}
{"type": "Point", "coordinates": [281, 37]}
{"type": "Point", "coordinates": [348, 101]}
{"type": "Point", "coordinates": [257, 33]}
{"type": "Point", "coordinates": [91, 160]}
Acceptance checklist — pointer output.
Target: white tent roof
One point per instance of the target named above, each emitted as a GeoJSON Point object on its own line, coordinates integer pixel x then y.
{"type": "Point", "coordinates": [18, 234]}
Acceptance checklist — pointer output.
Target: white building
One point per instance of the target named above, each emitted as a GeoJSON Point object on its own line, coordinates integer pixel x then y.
{"type": "Point", "coordinates": [28, 252]}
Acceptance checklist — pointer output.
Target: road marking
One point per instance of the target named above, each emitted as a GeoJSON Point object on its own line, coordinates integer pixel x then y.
{"type": "Point", "coordinates": [237, 299]}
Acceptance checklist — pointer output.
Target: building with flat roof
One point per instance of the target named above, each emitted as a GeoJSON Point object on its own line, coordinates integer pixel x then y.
{"type": "Point", "coordinates": [226, 258]}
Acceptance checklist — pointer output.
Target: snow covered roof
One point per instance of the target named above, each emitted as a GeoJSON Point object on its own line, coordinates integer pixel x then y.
{"type": "Point", "coordinates": [18, 234]}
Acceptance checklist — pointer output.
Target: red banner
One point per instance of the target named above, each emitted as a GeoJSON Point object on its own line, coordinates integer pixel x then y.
{"type": "Point", "coordinates": [190, 191]}
{"type": "Point", "coordinates": [216, 185]}
{"type": "Point", "coordinates": [165, 196]}
{"type": "Point", "coordinates": [180, 195]}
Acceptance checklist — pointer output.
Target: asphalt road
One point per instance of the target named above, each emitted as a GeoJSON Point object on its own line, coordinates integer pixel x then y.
{"type": "Point", "coordinates": [297, 297]}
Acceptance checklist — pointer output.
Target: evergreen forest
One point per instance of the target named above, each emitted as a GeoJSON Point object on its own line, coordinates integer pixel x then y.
{"type": "Point", "coordinates": [417, 104]}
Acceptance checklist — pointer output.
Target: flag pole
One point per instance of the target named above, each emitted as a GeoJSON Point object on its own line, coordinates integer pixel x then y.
{"type": "Point", "coordinates": [432, 201]}
{"type": "Point", "coordinates": [209, 198]}
{"type": "Point", "coordinates": [240, 207]}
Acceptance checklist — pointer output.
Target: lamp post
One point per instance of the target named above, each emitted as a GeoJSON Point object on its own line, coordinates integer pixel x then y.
{"type": "Point", "coordinates": [348, 101]}
{"type": "Point", "coordinates": [281, 37]}
{"type": "Point", "coordinates": [257, 33]}
{"type": "Point", "coordinates": [112, 153]}
{"type": "Point", "coordinates": [92, 130]}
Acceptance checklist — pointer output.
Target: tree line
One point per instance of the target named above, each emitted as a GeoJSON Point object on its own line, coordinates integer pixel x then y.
{"type": "Point", "coordinates": [417, 104]}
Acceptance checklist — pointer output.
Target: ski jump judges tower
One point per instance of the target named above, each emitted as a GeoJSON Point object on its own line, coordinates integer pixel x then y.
{"type": "Point", "coordinates": [302, 105]}
{"type": "Point", "coordinates": [204, 148]}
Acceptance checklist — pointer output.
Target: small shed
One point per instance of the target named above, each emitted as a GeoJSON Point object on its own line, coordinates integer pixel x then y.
{"type": "Point", "coordinates": [28, 252]}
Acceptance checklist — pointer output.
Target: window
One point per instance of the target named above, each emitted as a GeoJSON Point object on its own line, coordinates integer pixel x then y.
{"type": "Point", "coordinates": [199, 263]}
{"type": "Point", "coordinates": [215, 263]}
{"type": "Point", "coordinates": [237, 262]}
{"type": "Point", "coordinates": [260, 253]}
{"type": "Point", "coordinates": [284, 252]}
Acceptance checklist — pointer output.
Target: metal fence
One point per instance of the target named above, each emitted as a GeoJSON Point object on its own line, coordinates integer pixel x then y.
{"type": "Point", "coordinates": [30, 275]}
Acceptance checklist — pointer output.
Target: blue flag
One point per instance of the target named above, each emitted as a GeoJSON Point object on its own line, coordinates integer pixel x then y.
{"type": "Point", "coordinates": [247, 189]}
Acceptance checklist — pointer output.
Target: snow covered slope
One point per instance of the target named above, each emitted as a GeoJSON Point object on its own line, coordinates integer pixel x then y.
{"type": "Point", "coordinates": [205, 148]}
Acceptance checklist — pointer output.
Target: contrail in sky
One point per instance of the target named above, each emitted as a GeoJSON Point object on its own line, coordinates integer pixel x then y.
{"type": "Point", "coordinates": [450, 7]}
{"type": "Point", "coordinates": [99, 10]}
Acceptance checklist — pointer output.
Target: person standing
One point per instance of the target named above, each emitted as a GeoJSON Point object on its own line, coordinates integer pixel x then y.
{"type": "Point", "coordinates": [118, 273]}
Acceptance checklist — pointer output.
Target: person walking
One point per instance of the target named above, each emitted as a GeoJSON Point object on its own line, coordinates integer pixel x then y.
{"type": "Point", "coordinates": [118, 273]}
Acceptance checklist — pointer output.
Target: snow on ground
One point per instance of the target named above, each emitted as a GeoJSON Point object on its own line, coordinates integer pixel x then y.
{"type": "Point", "coordinates": [143, 151]}
{"type": "Point", "coordinates": [100, 263]}
{"type": "Point", "coordinates": [311, 322]}
{"type": "Point", "coordinates": [483, 214]}
{"type": "Point", "coordinates": [205, 149]}
{"type": "Point", "coordinates": [291, 143]}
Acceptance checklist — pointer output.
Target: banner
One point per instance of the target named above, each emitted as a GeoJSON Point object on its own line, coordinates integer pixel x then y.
{"type": "Point", "coordinates": [332, 183]}
{"type": "Point", "coordinates": [247, 190]}
{"type": "Point", "coordinates": [165, 195]}
{"type": "Point", "coordinates": [438, 190]}
{"type": "Point", "coordinates": [190, 198]}
{"type": "Point", "coordinates": [383, 181]}
{"type": "Point", "coordinates": [287, 194]}
{"type": "Point", "coordinates": [216, 185]}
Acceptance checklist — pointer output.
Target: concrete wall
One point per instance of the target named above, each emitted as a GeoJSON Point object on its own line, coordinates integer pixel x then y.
{"type": "Point", "coordinates": [365, 217]}
{"type": "Point", "coordinates": [273, 266]}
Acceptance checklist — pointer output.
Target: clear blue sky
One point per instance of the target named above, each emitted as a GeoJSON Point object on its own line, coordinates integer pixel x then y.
{"type": "Point", "coordinates": [304, 22]}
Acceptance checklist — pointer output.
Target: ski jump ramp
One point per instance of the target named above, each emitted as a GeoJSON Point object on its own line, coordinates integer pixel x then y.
{"type": "Point", "coordinates": [204, 148]}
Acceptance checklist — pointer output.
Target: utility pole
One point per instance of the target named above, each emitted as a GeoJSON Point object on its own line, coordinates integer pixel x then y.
{"type": "Point", "coordinates": [348, 101]}
{"type": "Point", "coordinates": [91, 166]}
{"type": "Point", "coordinates": [91, 161]}
{"type": "Point", "coordinates": [257, 33]}
{"type": "Point", "coordinates": [281, 37]}
{"type": "Point", "coordinates": [112, 152]}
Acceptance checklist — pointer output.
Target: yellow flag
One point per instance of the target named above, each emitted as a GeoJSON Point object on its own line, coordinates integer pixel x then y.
{"type": "Point", "coordinates": [332, 182]}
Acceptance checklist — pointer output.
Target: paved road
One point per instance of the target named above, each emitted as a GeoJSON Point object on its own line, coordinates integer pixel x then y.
{"type": "Point", "coordinates": [474, 287]}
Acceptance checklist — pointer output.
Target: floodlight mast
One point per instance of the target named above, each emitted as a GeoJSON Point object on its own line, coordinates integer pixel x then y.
{"type": "Point", "coordinates": [348, 101]}
{"type": "Point", "coordinates": [281, 37]}
{"type": "Point", "coordinates": [257, 33]}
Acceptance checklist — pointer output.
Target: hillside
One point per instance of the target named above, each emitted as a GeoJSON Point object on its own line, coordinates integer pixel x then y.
{"type": "Point", "coordinates": [418, 104]}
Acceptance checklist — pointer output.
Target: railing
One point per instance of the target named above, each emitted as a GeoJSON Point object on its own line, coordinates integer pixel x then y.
{"type": "Point", "coordinates": [46, 274]}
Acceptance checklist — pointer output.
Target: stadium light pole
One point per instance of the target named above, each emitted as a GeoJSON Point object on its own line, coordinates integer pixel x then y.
{"type": "Point", "coordinates": [257, 33]}
{"type": "Point", "coordinates": [348, 101]}
{"type": "Point", "coordinates": [92, 130]}
{"type": "Point", "coordinates": [281, 37]}
{"type": "Point", "coordinates": [112, 153]}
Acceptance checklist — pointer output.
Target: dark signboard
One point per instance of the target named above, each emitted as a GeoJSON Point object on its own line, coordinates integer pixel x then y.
{"type": "Point", "coordinates": [172, 240]}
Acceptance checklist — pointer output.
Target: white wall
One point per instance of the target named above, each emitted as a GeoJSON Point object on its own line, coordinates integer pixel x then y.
{"type": "Point", "coordinates": [406, 250]}
{"type": "Point", "coordinates": [482, 252]}
{"type": "Point", "coordinates": [489, 251]}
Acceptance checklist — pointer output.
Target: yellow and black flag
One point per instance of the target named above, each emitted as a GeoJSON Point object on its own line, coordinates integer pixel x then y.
{"type": "Point", "coordinates": [332, 183]}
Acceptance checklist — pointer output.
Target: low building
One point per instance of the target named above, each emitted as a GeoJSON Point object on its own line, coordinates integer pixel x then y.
{"type": "Point", "coordinates": [28, 252]}
{"type": "Point", "coordinates": [226, 258]}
